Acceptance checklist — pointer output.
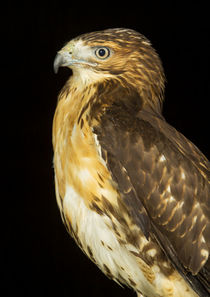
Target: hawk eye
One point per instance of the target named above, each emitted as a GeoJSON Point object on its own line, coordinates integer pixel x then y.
{"type": "Point", "coordinates": [102, 53]}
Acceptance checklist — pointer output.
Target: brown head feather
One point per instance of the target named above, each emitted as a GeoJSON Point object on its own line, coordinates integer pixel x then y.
{"type": "Point", "coordinates": [134, 63]}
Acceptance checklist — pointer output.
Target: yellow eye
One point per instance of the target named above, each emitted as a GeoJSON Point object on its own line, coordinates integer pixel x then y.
{"type": "Point", "coordinates": [102, 53]}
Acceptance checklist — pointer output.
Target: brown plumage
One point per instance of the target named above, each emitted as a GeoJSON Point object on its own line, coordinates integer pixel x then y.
{"type": "Point", "coordinates": [132, 191]}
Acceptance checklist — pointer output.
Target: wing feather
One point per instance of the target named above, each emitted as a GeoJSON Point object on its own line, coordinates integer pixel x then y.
{"type": "Point", "coordinates": [171, 179]}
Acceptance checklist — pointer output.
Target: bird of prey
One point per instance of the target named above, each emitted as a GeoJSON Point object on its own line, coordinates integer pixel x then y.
{"type": "Point", "coordinates": [132, 191]}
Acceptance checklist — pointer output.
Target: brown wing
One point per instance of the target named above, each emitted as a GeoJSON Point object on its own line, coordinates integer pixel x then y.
{"type": "Point", "coordinates": [171, 178]}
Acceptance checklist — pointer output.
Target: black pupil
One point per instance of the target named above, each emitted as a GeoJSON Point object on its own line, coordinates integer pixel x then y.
{"type": "Point", "coordinates": [102, 52]}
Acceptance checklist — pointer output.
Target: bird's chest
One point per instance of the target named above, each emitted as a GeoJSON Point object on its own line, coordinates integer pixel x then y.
{"type": "Point", "coordinates": [77, 155]}
{"type": "Point", "coordinates": [93, 232]}
{"type": "Point", "coordinates": [82, 179]}
{"type": "Point", "coordinates": [118, 259]}
{"type": "Point", "coordinates": [89, 195]}
{"type": "Point", "coordinates": [87, 198]}
{"type": "Point", "coordinates": [79, 164]}
{"type": "Point", "coordinates": [99, 237]}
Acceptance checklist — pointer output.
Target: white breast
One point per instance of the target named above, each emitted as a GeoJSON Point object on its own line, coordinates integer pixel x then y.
{"type": "Point", "coordinates": [96, 234]}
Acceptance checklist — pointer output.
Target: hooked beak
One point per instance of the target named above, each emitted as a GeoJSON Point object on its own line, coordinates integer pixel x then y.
{"type": "Point", "coordinates": [64, 59]}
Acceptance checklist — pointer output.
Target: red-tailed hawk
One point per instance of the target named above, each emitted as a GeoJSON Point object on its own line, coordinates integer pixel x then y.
{"type": "Point", "coordinates": [132, 191]}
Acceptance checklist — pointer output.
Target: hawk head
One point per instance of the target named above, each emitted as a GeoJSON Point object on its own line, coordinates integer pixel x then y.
{"type": "Point", "coordinates": [120, 54]}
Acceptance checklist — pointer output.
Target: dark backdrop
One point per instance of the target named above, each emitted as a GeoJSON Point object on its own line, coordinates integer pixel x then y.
{"type": "Point", "coordinates": [39, 257]}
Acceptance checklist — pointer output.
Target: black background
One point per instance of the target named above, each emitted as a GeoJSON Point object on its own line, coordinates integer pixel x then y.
{"type": "Point", "coordinates": [39, 258]}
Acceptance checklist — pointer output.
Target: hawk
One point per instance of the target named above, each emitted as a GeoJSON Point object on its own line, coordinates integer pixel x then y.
{"type": "Point", "coordinates": [132, 191]}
